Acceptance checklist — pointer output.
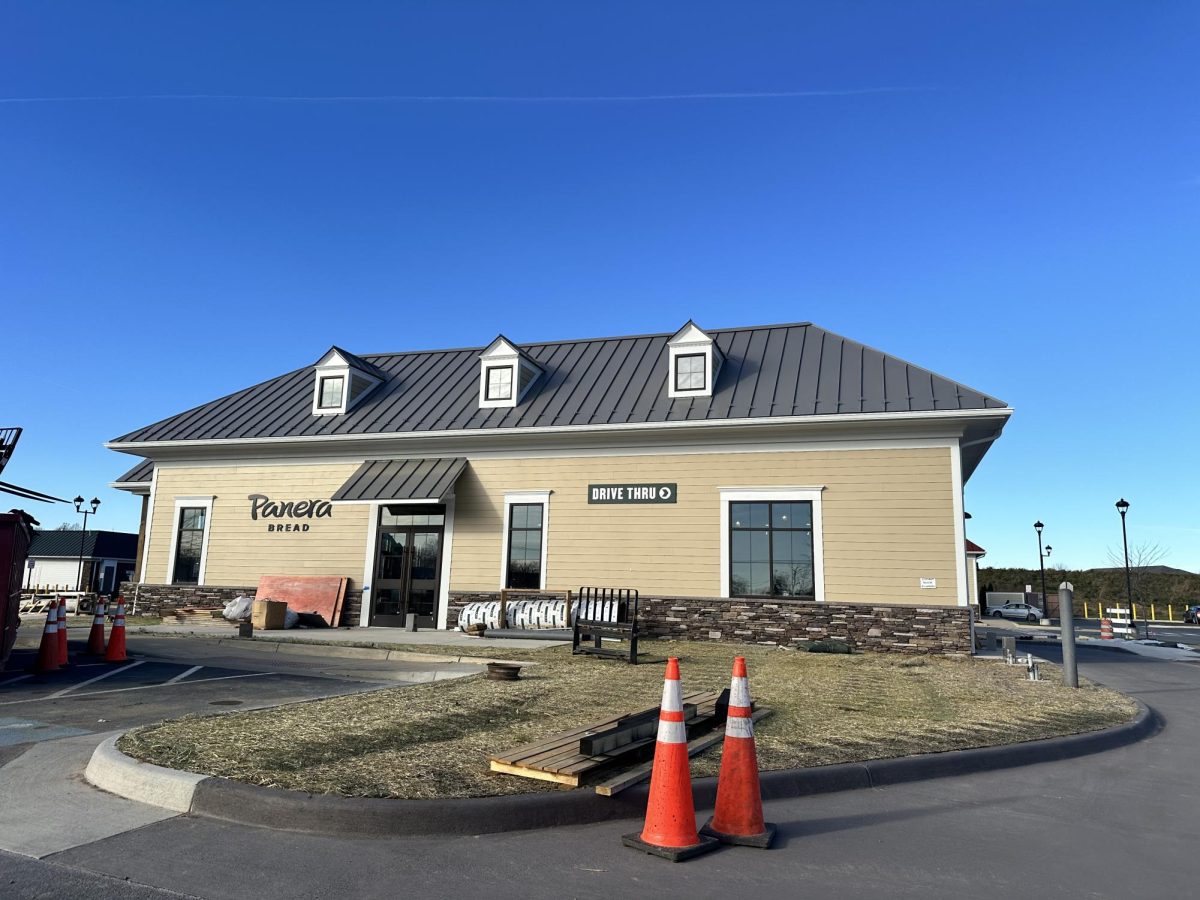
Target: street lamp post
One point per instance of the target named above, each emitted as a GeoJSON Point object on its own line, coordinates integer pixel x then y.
{"type": "Point", "coordinates": [1122, 508]}
{"type": "Point", "coordinates": [83, 534]}
{"type": "Point", "coordinates": [1042, 557]}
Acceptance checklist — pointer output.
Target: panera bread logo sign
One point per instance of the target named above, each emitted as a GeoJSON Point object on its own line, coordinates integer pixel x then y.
{"type": "Point", "coordinates": [263, 507]}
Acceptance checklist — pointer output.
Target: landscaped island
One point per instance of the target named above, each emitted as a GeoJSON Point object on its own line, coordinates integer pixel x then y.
{"type": "Point", "coordinates": [434, 740]}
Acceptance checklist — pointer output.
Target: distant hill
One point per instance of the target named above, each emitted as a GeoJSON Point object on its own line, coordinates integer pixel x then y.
{"type": "Point", "coordinates": [1156, 584]}
{"type": "Point", "coordinates": [1149, 570]}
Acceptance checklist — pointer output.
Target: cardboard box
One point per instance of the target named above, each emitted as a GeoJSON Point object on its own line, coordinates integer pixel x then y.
{"type": "Point", "coordinates": [268, 614]}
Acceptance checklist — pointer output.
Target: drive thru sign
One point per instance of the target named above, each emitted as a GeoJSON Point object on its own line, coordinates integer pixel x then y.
{"type": "Point", "coordinates": [631, 493]}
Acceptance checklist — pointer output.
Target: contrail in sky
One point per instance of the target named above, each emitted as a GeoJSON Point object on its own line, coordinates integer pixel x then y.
{"type": "Point", "coordinates": [475, 98]}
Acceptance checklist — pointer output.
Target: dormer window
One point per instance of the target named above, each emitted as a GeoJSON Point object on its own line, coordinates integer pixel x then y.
{"type": "Point", "coordinates": [506, 374]}
{"type": "Point", "coordinates": [342, 379]}
{"type": "Point", "coordinates": [694, 361]}
{"type": "Point", "coordinates": [690, 372]}
{"type": "Point", "coordinates": [330, 392]}
{"type": "Point", "coordinates": [499, 383]}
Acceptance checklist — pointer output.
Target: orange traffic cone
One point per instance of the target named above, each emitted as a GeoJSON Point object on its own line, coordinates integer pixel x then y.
{"type": "Point", "coordinates": [738, 817]}
{"type": "Point", "coordinates": [62, 633]}
{"type": "Point", "coordinates": [95, 645]}
{"type": "Point", "coordinates": [670, 829]}
{"type": "Point", "coordinates": [47, 658]}
{"type": "Point", "coordinates": [116, 639]}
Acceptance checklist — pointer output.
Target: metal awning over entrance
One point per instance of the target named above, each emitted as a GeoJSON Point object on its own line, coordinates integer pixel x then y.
{"type": "Point", "coordinates": [403, 479]}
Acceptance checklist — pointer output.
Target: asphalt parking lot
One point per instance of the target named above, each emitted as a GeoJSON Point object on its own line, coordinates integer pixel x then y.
{"type": "Point", "coordinates": [170, 677]}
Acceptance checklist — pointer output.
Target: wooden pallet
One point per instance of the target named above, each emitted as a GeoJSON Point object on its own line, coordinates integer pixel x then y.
{"type": "Point", "coordinates": [558, 758]}
{"type": "Point", "coordinates": [637, 775]}
{"type": "Point", "coordinates": [196, 614]}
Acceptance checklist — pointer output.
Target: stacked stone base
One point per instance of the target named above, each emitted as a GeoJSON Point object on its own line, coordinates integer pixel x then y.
{"type": "Point", "coordinates": [885, 628]}
{"type": "Point", "coordinates": [163, 599]}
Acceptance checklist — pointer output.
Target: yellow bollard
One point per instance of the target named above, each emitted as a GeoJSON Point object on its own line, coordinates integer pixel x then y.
{"type": "Point", "coordinates": [1153, 613]}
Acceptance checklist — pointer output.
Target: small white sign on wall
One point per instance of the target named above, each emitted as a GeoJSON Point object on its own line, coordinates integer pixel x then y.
{"type": "Point", "coordinates": [928, 583]}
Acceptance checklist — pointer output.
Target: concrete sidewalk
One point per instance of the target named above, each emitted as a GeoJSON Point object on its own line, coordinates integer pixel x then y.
{"type": "Point", "coordinates": [384, 638]}
{"type": "Point", "coordinates": [47, 807]}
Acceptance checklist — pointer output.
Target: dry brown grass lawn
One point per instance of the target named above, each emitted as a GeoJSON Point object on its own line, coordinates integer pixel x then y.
{"type": "Point", "coordinates": [434, 740]}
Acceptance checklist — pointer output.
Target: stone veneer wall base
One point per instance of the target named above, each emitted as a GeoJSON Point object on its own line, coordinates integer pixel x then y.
{"type": "Point", "coordinates": [162, 599]}
{"type": "Point", "coordinates": [886, 628]}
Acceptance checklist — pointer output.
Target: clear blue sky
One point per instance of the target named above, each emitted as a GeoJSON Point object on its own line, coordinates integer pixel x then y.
{"type": "Point", "coordinates": [1007, 193]}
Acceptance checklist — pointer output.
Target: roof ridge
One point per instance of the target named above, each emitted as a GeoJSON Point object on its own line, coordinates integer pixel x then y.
{"type": "Point", "coordinates": [589, 340]}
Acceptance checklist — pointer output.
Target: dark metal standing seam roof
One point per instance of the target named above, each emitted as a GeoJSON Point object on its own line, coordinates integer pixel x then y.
{"type": "Point", "coordinates": [96, 544]}
{"type": "Point", "coordinates": [142, 472]}
{"type": "Point", "coordinates": [769, 371]}
{"type": "Point", "coordinates": [403, 479]}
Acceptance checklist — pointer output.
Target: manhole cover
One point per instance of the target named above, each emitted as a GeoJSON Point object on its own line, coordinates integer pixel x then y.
{"type": "Point", "coordinates": [225, 702]}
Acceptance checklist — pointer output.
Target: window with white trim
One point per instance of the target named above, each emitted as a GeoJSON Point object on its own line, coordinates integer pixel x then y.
{"type": "Point", "coordinates": [771, 542]}
{"type": "Point", "coordinates": [189, 540]}
{"type": "Point", "coordinates": [524, 546]}
{"type": "Point", "coordinates": [506, 373]}
{"type": "Point", "coordinates": [341, 382]}
{"type": "Point", "coordinates": [330, 394]}
{"type": "Point", "coordinates": [523, 553]}
{"type": "Point", "coordinates": [499, 383]}
{"type": "Point", "coordinates": [694, 360]}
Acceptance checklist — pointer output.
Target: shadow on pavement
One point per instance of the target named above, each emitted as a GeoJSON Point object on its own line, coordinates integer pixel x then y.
{"type": "Point", "coordinates": [809, 827]}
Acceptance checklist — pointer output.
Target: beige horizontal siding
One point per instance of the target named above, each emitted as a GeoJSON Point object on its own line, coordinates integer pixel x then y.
{"type": "Point", "coordinates": [888, 521]}
{"type": "Point", "coordinates": [240, 549]}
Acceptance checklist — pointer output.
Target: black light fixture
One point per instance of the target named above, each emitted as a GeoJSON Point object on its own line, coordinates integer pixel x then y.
{"type": "Point", "coordinates": [95, 504]}
{"type": "Point", "coordinates": [1042, 554]}
{"type": "Point", "coordinates": [1122, 508]}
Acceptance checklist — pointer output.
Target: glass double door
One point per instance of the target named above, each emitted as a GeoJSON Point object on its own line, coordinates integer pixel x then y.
{"type": "Point", "coordinates": [408, 565]}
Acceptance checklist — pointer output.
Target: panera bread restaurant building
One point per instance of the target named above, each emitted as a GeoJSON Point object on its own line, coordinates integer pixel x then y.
{"type": "Point", "coordinates": [767, 483]}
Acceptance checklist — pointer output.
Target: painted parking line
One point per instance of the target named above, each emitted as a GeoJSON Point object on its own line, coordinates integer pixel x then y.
{"type": "Point", "coordinates": [141, 687]}
{"type": "Point", "coordinates": [82, 684]}
{"type": "Point", "coordinates": [182, 675]}
{"type": "Point", "coordinates": [15, 680]}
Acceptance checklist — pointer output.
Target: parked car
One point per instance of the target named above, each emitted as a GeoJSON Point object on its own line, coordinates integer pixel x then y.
{"type": "Point", "coordinates": [1017, 611]}
{"type": "Point", "coordinates": [1191, 615]}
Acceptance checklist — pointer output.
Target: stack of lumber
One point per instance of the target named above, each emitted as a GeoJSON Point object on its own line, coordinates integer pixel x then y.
{"type": "Point", "coordinates": [196, 615]}
{"type": "Point", "coordinates": [622, 740]}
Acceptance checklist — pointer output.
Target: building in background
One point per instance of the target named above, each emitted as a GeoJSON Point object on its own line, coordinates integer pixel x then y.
{"type": "Point", "coordinates": [109, 558]}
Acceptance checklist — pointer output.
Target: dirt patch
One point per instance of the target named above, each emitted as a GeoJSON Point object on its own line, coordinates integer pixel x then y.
{"type": "Point", "coordinates": [433, 740]}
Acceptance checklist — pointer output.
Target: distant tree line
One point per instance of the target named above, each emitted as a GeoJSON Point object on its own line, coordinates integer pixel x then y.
{"type": "Point", "coordinates": [1103, 586]}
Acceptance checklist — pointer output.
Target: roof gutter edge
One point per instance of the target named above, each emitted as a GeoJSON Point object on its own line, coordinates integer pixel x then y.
{"type": "Point", "coordinates": [136, 447]}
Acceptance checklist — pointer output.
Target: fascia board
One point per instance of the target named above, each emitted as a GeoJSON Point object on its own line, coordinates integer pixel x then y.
{"type": "Point", "coordinates": [949, 423]}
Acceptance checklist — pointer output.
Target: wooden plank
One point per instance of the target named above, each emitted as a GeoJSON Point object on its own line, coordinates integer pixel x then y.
{"type": "Point", "coordinates": [569, 780]}
{"type": "Point", "coordinates": [700, 698]}
{"type": "Point", "coordinates": [545, 744]}
{"type": "Point", "coordinates": [637, 775]}
{"type": "Point", "coordinates": [559, 751]}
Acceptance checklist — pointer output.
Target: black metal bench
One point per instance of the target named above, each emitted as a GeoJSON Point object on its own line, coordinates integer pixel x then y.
{"type": "Point", "coordinates": [592, 626]}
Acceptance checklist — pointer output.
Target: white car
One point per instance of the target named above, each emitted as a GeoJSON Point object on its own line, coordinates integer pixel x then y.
{"type": "Point", "coordinates": [1017, 611]}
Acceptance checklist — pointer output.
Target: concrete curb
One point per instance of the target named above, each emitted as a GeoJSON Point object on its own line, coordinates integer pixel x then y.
{"type": "Point", "coordinates": [111, 770]}
{"type": "Point", "coordinates": [247, 804]}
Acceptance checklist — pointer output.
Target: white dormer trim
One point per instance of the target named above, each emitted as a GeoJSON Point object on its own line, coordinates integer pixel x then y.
{"type": "Point", "coordinates": [690, 342]}
{"type": "Point", "coordinates": [355, 383]}
{"type": "Point", "coordinates": [500, 355]}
